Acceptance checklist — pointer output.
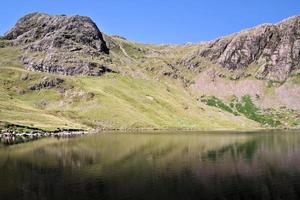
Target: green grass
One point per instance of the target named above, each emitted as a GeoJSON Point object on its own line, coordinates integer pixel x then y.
{"type": "Point", "coordinates": [215, 102]}
{"type": "Point", "coordinates": [272, 83]}
{"type": "Point", "coordinates": [296, 79]}
{"type": "Point", "coordinates": [251, 111]}
{"type": "Point", "coordinates": [2, 43]}
{"type": "Point", "coordinates": [121, 101]}
{"type": "Point", "coordinates": [245, 106]}
{"type": "Point", "coordinates": [110, 101]}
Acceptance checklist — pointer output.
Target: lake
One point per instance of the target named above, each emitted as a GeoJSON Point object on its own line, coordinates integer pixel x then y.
{"type": "Point", "coordinates": [157, 165]}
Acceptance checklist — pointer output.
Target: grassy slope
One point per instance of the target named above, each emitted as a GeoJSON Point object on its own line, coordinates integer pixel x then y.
{"type": "Point", "coordinates": [151, 61]}
{"type": "Point", "coordinates": [119, 102]}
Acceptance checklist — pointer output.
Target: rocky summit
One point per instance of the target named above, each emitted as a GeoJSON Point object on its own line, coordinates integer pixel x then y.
{"type": "Point", "coordinates": [58, 44]}
{"type": "Point", "coordinates": [75, 76]}
{"type": "Point", "coordinates": [275, 48]}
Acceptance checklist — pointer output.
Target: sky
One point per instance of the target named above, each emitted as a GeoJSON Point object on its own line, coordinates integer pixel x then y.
{"type": "Point", "coordinates": [160, 21]}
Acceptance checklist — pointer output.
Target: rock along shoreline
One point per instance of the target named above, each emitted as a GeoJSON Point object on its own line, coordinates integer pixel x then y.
{"type": "Point", "coordinates": [9, 137]}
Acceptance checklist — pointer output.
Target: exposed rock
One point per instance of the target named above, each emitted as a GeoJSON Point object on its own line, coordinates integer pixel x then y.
{"type": "Point", "coordinates": [72, 45]}
{"type": "Point", "coordinates": [10, 137]}
{"type": "Point", "coordinates": [61, 44]}
{"type": "Point", "coordinates": [57, 32]}
{"type": "Point", "coordinates": [274, 48]}
{"type": "Point", "coordinates": [42, 103]}
{"type": "Point", "coordinates": [73, 95]}
{"type": "Point", "coordinates": [46, 83]}
{"type": "Point", "coordinates": [19, 90]}
{"type": "Point", "coordinates": [24, 77]}
{"type": "Point", "coordinates": [64, 64]}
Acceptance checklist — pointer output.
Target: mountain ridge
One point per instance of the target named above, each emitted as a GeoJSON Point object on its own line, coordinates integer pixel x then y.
{"type": "Point", "coordinates": [254, 80]}
{"type": "Point", "coordinates": [273, 47]}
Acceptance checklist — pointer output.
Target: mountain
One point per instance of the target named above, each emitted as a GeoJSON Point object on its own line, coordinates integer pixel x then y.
{"type": "Point", "coordinates": [63, 40]}
{"type": "Point", "coordinates": [275, 49]}
{"type": "Point", "coordinates": [63, 72]}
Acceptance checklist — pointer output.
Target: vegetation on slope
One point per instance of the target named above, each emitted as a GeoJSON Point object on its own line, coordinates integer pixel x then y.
{"type": "Point", "coordinates": [108, 102]}
{"type": "Point", "coordinates": [251, 111]}
{"type": "Point", "coordinates": [245, 106]}
{"type": "Point", "coordinates": [296, 79]}
{"type": "Point", "coordinates": [215, 102]}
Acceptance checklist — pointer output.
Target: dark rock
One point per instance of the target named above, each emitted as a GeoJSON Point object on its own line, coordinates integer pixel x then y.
{"type": "Point", "coordinates": [60, 44]}
{"type": "Point", "coordinates": [57, 32]}
{"type": "Point", "coordinates": [274, 48]}
{"type": "Point", "coordinates": [46, 83]}
{"type": "Point", "coordinates": [10, 137]}
{"type": "Point", "coordinates": [65, 66]}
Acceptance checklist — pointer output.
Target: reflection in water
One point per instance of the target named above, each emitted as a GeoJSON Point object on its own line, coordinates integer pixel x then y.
{"type": "Point", "coordinates": [154, 166]}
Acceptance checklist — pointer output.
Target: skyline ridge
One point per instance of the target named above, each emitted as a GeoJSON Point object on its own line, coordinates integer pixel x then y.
{"type": "Point", "coordinates": [163, 43]}
{"type": "Point", "coordinates": [174, 23]}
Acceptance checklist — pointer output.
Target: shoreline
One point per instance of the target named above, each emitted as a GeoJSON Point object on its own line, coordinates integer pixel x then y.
{"type": "Point", "coordinates": [11, 137]}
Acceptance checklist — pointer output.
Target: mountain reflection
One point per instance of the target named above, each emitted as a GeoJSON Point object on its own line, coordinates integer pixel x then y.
{"type": "Point", "coordinates": [154, 166]}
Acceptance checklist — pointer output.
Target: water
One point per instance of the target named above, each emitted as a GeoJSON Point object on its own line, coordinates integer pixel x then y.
{"type": "Point", "coordinates": [178, 165]}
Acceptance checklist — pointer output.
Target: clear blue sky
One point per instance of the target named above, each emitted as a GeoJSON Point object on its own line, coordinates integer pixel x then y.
{"type": "Point", "coordinates": [160, 21]}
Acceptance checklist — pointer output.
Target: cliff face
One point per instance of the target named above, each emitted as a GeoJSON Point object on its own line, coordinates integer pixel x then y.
{"type": "Point", "coordinates": [57, 44]}
{"type": "Point", "coordinates": [275, 49]}
{"type": "Point", "coordinates": [63, 41]}
{"type": "Point", "coordinates": [57, 32]}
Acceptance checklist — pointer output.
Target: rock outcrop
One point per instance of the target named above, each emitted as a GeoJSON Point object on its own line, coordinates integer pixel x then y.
{"type": "Point", "coordinates": [60, 44]}
{"type": "Point", "coordinates": [73, 45]}
{"type": "Point", "coordinates": [273, 48]}
{"type": "Point", "coordinates": [46, 83]}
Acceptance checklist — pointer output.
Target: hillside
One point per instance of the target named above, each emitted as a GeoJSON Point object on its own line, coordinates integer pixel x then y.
{"type": "Point", "coordinates": [63, 72]}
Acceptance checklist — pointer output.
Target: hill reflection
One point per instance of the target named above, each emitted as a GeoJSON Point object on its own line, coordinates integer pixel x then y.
{"type": "Point", "coordinates": [154, 166]}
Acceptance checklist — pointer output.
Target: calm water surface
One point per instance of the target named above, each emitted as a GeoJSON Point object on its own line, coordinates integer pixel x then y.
{"type": "Point", "coordinates": [178, 165]}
